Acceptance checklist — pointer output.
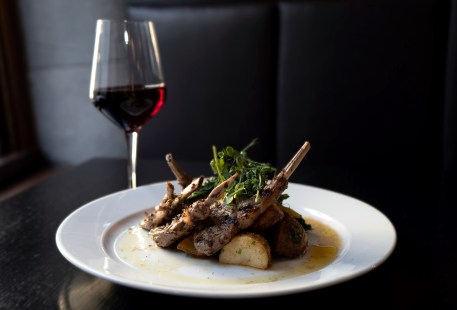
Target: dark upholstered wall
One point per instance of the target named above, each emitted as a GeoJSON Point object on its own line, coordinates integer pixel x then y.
{"type": "Point", "coordinates": [368, 83]}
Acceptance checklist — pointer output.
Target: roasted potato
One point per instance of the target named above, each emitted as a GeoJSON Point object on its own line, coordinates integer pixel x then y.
{"type": "Point", "coordinates": [187, 245]}
{"type": "Point", "coordinates": [290, 211]}
{"type": "Point", "coordinates": [289, 238]}
{"type": "Point", "coordinates": [267, 219]}
{"type": "Point", "coordinates": [247, 249]}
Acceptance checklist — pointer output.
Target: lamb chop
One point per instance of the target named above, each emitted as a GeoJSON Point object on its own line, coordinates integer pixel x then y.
{"type": "Point", "coordinates": [184, 223]}
{"type": "Point", "coordinates": [170, 205]}
{"type": "Point", "coordinates": [211, 239]}
{"type": "Point", "coordinates": [223, 226]}
{"type": "Point", "coordinates": [251, 209]}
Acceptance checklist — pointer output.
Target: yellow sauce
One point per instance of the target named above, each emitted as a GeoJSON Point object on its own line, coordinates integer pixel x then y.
{"type": "Point", "coordinates": [135, 248]}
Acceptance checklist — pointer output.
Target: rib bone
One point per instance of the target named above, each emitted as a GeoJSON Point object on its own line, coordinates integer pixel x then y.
{"type": "Point", "coordinates": [181, 176]}
{"type": "Point", "coordinates": [296, 160]}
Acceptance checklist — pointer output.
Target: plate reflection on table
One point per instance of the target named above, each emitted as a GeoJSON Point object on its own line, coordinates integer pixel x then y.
{"type": "Point", "coordinates": [83, 291]}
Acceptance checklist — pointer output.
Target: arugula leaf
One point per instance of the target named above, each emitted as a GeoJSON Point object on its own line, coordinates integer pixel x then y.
{"type": "Point", "coordinates": [253, 175]}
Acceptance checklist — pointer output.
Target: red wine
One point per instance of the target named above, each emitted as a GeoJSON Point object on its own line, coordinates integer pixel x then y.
{"type": "Point", "coordinates": [129, 107]}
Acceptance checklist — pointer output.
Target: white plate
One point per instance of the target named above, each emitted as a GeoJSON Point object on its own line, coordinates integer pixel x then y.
{"type": "Point", "coordinates": [95, 236]}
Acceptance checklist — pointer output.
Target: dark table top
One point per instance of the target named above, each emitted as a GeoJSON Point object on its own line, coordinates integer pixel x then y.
{"type": "Point", "coordinates": [420, 272]}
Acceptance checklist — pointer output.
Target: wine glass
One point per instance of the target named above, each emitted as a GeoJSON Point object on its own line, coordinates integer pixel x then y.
{"type": "Point", "coordinates": [127, 84]}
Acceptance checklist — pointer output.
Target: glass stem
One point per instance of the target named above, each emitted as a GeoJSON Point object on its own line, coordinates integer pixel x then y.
{"type": "Point", "coordinates": [132, 145]}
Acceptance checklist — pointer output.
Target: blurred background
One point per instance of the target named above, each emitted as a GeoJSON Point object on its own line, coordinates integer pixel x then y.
{"type": "Point", "coordinates": [47, 121]}
{"type": "Point", "coordinates": [369, 83]}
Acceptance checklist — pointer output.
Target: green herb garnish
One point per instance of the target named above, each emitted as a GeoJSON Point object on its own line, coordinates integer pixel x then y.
{"type": "Point", "coordinates": [253, 175]}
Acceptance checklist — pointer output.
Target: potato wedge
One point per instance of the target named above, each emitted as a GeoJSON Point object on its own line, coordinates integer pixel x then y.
{"type": "Point", "coordinates": [187, 245]}
{"type": "Point", "coordinates": [267, 219]}
{"type": "Point", "coordinates": [247, 249]}
{"type": "Point", "coordinates": [289, 238]}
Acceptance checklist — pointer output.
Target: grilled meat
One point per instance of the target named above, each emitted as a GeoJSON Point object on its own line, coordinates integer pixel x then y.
{"type": "Point", "coordinates": [183, 224]}
{"type": "Point", "coordinates": [212, 239]}
{"type": "Point", "coordinates": [235, 218]}
{"type": "Point", "coordinates": [170, 205]}
{"type": "Point", "coordinates": [224, 225]}
{"type": "Point", "coordinates": [249, 210]}
{"type": "Point", "coordinates": [213, 223]}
